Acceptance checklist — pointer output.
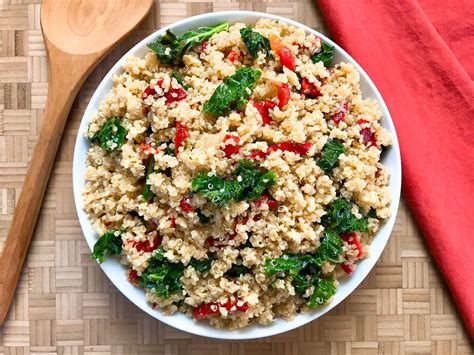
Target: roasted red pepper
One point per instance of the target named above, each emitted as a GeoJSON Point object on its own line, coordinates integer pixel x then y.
{"type": "Point", "coordinates": [233, 55]}
{"type": "Point", "coordinates": [347, 268]}
{"type": "Point", "coordinates": [339, 116]}
{"type": "Point", "coordinates": [179, 137]}
{"type": "Point", "coordinates": [172, 95]}
{"type": "Point", "coordinates": [351, 238]}
{"type": "Point", "coordinates": [147, 245]}
{"type": "Point", "coordinates": [263, 111]}
{"type": "Point", "coordinates": [283, 52]}
{"type": "Point", "coordinates": [185, 205]}
{"type": "Point", "coordinates": [368, 136]}
{"type": "Point", "coordinates": [309, 89]}
{"type": "Point", "coordinates": [132, 275]}
{"type": "Point", "coordinates": [212, 309]}
{"type": "Point", "coordinates": [233, 147]}
{"type": "Point", "coordinates": [203, 45]}
{"type": "Point", "coordinates": [283, 94]}
{"type": "Point", "coordinates": [286, 146]}
{"type": "Point", "coordinates": [272, 204]}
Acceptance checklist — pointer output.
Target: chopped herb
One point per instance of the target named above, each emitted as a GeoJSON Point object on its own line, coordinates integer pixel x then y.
{"type": "Point", "coordinates": [111, 136]}
{"type": "Point", "coordinates": [236, 270]}
{"type": "Point", "coordinates": [170, 48]}
{"type": "Point", "coordinates": [255, 42]}
{"type": "Point", "coordinates": [330, 154]}
{"type": "Point", "coordinates": [180, 80]}
{"type": "Point", "coordinates": [109, 243]}
{"type": "Point", "coordinates": [248, 183]}
{"type": "Point", "coordinates": [161, 276]}
{"type": "Point", "coordinates": [323, 292]}
{"type": "Point", "coordinates": [325, 55]}
{"type": "Point", "coordinates": [233, 92]}
{"type": "Point", "coordinates": [147, 194]}
{"type": "Point", "coordinates": [201, 265]}
{"type": "Point", "coordinates": [339, 218]}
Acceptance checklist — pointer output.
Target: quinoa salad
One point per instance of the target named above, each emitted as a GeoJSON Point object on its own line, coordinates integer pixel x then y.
{"type": "Point", "coordinates": [236, 172]}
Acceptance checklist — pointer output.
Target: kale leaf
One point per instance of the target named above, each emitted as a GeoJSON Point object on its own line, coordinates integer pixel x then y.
{"type": "Point", "coordinates": [111, 136]}
{"type": "Point", "coordinates": [339, 218]}
{"type": "Point", "coordinates": [147, 194]}
{"type": "Point", "coordinates": [288, 264]}
{"type": "Point", "coordinates": [161, 276]}
{"type": "Point", "coordinates": [214, 188]}
{"type": "Point", "coordinates": [248, 183]}
{"type": "Point", "coordinates": [233, 92]}
{"type": "Point", "coordinates": [236, 270]}
{"type": "Point", "coordinates": [201, 265]}
{"type": "Point", "coordinates": [254, 42]}
{"type": "Point", "coordinates": [170, 48]}
{"type": "Point", "coordinates": [108, 243]}
{"type": "Point", "coordinates": [180, 80]}
{"type": "Point", "coordinates": [325, 55]}
{"type": "Point", "coordinates": [203, 219]}
{"type": "Point", "coordinates": [330, 155]}
{"type": "Point", "coordinates": [251, 181]}
{"type": "Point", "coordinates": [323, 292]}
{"type": "Point", "coordinates": [329, 248]}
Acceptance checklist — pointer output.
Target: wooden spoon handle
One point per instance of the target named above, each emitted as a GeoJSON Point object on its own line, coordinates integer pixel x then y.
{"type": "Point", "coordinates": [61, 93]}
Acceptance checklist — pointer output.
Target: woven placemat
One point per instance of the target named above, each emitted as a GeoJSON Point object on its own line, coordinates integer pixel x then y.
{"type": "Point", "coordinates": [64, 304]}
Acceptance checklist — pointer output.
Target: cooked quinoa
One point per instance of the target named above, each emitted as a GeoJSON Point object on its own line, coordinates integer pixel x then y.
{"type": "Point", "coordinates": [238, 177]}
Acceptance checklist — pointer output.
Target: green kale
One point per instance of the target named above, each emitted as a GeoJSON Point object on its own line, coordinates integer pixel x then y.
{"type": "Point", "coordinates": [339, 218]}
{"type": "Point", "coordinates": [248, 183]}
{"type": "Point", "coordinates": [170, 48]}
{"type": "Point", "coordinates": [325, 55]}
{"type": "Point", "coordinates": [214, 188]}
{"type": "Point", "coordinates": [329, 249]}
{"type": "Point", "coordinates": [330, 155]}
{"type": "Point", "coordinates": [302, 281]}
{"type": "Point", "coordinates": [161, 276]}
{"type": "Point", "coordinates": [233, 92]}
{"type": "Point", "coordinates": [180, 80]}
{"type": "Point", "coordinates": [201, 265]}
{"type": "Point", "coordinates": [111, 136]}
{"type": "Point", "coordinates": [251, 181]}
{"type": "Point", "coordinates": [288, 264]}
{"type": "Point", "coordinates": [254, 42]}
{"type": "Point", "coordinates": [236, 270]}
{"type": "Point", "coordinates": [147, 194]}
{"type": "Point", "coordinates": [323, 292]}
{"type": "Point", "coordinates": [108, 243]}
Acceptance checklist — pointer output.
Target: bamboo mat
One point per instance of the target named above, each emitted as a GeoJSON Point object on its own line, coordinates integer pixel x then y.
{"type": "Point", "coordinates": [65, 305]}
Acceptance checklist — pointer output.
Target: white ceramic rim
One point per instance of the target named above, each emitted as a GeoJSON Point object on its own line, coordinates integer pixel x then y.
{"type": "Point", "coordinates": [116, 272]}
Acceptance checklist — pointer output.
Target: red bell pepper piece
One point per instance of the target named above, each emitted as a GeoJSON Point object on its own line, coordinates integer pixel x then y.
{"type": "Point", "coordinates": [185, 205]}
{"type": "Point", "coordinates": [179, 137]}
{"type": "Point", "coordinates": [283, 94]}
{"type": "Point", "coordinates": [283, 52]}
{"type": "Point", "coordinates": [351, 238]}
{"type": "Point", "coordinates": [229, 148]}
{"type": "Point", "coordinates": [309, 89]}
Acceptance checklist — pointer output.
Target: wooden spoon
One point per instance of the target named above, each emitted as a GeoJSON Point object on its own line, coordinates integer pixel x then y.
{"type": "Point", "coordinates": [77, 35]}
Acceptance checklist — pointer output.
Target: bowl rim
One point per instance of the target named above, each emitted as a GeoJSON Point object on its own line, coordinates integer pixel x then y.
{"type": "Point", "coordinates": [278, 326]}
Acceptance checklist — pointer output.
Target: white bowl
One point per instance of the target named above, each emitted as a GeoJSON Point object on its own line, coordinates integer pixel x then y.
{"type": "Point", "coordinates": [116, 272]}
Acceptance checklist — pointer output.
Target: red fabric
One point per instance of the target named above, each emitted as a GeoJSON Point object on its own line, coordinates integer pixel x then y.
{"type": "Point", "coordinates": [419, 55]}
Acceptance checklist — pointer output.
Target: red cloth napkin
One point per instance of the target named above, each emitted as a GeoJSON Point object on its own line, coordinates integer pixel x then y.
{"type": "Point", "coordinates": [420, 56]}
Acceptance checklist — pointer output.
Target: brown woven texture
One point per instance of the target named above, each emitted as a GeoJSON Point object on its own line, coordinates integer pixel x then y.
{"type": "Point", "coordinates": [65, 305]}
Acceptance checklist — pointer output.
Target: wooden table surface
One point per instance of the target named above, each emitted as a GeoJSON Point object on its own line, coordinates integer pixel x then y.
{"type": "Point", "coordinates": [65, 305]}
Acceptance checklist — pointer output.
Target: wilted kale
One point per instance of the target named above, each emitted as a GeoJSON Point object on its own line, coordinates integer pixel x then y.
{"type": "Point", "coordinates": [233, 92]}
{"type": "Point", "coordinates": [248, 183]}
{"type": "Point", "coordinates": [147, 194]}
{"type": "Point", "coordinates": [330, 155]}
{"type": "Point", "coordinates": [201, 265]}
{"type": "Point", "coordinates": [236, 270]}
{"type": "Point", "coordinates": [325, 55]}
{"type": "Point", "coordinates": [108, 243]}
{"type": "Point", "coordinates": [303, 270]}
{"type": "Point", "coordinates": [111, 136]}
{"type": "Point", "coordinates": [170, 48]}
{"type": "Point", "coordinates": [323, 291]}
{"type": "Point", "coordinates": [161, 276]}
{"type": "Point", "coordinates": [254, 42]}
{"type": "Point", "coordinates": [180, 80]}
{"type": "Point", "coordinates": [339, 218]}
{"type": "Point", "coordinates": [329, 249]}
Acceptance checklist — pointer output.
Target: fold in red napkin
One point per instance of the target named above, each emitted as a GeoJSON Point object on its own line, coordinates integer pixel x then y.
{"type": "Point", "coordinates": [420, 56]}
